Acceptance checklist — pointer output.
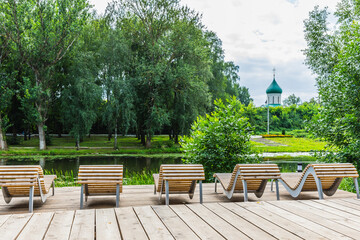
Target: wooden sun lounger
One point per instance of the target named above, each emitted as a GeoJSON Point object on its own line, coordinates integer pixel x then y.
{"type": "Point", "coordinates": [248, 178]}
{"type": "Point", "coordinates": [98, 180]}
{"type": "Point", "coordinates": [324, 178]}
{"type": "Point", "coordinates": [25, 181]}
{"type": "Point", "coordinates": [178, 178]}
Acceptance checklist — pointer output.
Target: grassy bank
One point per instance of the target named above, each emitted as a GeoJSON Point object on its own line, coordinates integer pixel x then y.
{"type": "Point", "coordinates": [290, 145]}
{"type": "Point", "coordinates": [100, 145]}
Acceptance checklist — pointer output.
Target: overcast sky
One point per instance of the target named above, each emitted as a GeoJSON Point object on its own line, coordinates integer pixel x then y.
{"type": "Point", "coordinates": [259, 35]}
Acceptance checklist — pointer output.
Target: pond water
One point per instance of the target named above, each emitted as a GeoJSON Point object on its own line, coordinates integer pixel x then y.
{"type": "Point", "coordinates": [131, 164]}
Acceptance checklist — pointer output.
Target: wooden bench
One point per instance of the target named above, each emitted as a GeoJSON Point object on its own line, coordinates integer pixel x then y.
{"type": "Point", "coordinates": [248, 178]}
{"type": "Point", "coordinates": [98, 180]}
{"type": "Point", "coordinates": [25, 181]}
{"type": "Point", "coordinates": [178, 178]}
{"type": "Point", "coordinates": [322, 177]}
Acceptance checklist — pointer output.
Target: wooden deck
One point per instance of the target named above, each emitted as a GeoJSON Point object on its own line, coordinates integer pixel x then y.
{"type": "Point", "coordinates": [302, 219]}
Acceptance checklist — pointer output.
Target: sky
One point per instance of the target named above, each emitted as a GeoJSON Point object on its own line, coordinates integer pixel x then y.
{"type": "Point", "coordinates": [259, 35]}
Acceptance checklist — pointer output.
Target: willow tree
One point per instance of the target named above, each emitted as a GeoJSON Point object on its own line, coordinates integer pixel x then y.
{"type": "Point", "coordinates": [43, 31]}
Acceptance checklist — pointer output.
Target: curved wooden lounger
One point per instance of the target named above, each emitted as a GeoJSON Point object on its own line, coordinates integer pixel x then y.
{"type": "Point", "coordinates": [248, 178]}
{"type": "Point", "coordinates": [98, 180]}
{"type": "Point", "coordinates": [324, 178]}
{"type": "Point", "coordinates": [25, 181]}
{"type": "Point", "coordinates": [178, 178]}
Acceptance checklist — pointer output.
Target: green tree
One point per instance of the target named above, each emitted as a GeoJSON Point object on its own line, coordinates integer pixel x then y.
{"type": "Point", "coordinates": [334, 57]}
{"type": "Point", "coordinates": [43, 32]}
{"type": "Point", "coordinates": [5, 89]}
{"type": "Point", "coordinates": [219, 140]}
{"type": "Point", "coordinates": [292, 100]}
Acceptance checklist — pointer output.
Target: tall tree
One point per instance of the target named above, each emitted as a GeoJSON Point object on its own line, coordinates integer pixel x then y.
{"type": "Point", "coordinates": [292, 100]}
{"type": "Point", "coordinates": [334, 57]}
{"type": "Point", "coordinates": [44, 32]}
{"type": "Point", "coordinates": [5, 89]}
{"type": "Point", "coordinates": [151, 27]}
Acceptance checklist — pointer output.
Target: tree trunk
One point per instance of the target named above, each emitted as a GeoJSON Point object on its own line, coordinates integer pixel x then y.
{"type": "Point", "coordinates": [42, 141]}
{"type": "Point", "coordinates": [29, 137]}
{"type": "Point", "coordinates": [109, 135]}
{"type": "Point", "coordinates": [115, 137]}
{"type": "Point", "coordinates": [148, 141]}
{"type": "Point", "coordinates": [3, 145]}
{"type": "Point", "coordinates": [176, 138]}
{"type": "Point", "coordinates": [77, 143]}
{"type": "Point", "coordinates": [25, 135]}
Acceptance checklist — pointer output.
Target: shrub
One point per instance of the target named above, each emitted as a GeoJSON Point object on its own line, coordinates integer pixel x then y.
{"type": "Point", "coordinates": [220, 140]}
{"type": "Point", "coordinates": [13, 140]}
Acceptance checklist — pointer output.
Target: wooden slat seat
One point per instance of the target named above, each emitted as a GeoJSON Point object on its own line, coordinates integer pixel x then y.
{"type": "Point", "coordinates": [25, 181]}
{"type": "Point", "coordinates": [100, 180]}
{"type": "Point", "coordinates": [247, 178]}
{"type": "Point", "coordinates": [178, 178]}
{"type": "Point", "coordinates": [324, 178]}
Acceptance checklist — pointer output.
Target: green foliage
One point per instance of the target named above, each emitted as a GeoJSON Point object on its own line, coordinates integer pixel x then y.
{"type": "Point", "coordinates": [291, 100]}
{"type": "Point", "coordinates": [64, 178]}
{"type": "Point", "coordinates": [220, 139]}
{"type": "Point", "coordinates": [13, 140]}
{"type": "Point", "coordinates": [334, 57]}
{"type": "Point", "coordinates": [145, 177]}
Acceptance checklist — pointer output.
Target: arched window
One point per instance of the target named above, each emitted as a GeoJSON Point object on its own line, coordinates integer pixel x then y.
{"type": "Point", "coordinates": [279, 99]}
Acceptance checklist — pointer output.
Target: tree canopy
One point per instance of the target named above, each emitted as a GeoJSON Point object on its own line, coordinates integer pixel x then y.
{"type": "Point", "coordinates": [334, 56]}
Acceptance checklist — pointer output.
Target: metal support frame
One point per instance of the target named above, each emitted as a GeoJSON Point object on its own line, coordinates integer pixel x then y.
{"type": "Point", "coordinates": [53, 188]}
{"type": "Point", "coordinates": [319, 187]}
{"type": "Point", "coordinates": [245, 190]}
{"type": "Point", "coordinates": [277, 189]}
{"type": "Point", "coordinates": [31, 199]}
{"type": "Point", "coordinates": [117, 195]}
{"type": "Point", "coordinates": [82, 196]}
{"type": "Point", "coordinates": [295, 193]}
{"type": "Point", "coordinates": [167, 192]}
{"type": "Point", "coordinates": [201, 192]}
{"type": "Point", "coordinates": [216, 180]}
{"type": "Point", "coordinates": [357, 188]}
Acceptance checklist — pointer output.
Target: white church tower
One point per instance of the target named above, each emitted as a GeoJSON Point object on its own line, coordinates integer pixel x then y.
{"type": "Point", "coordinates": [274, 93]}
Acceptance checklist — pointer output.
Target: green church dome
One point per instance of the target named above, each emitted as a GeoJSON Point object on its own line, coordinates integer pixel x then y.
{"type": "Point", "coordinates": [274, 88]}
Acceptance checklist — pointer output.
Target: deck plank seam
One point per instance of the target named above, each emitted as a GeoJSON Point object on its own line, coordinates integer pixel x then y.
{"type": "Point", "coordinates": [227, 221]}
{"type": "Point", "coordinates": [316, 223]}
{"type": "Point", "coordinates": [279, 225]}
{"type": "Point", "coordinates": [271, 234]}
{"type": "Point", "coordinates": [207, 222]}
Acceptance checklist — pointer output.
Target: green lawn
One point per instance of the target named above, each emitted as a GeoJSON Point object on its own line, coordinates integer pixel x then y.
{"type": "Point", "coordinates": [131, 145]}
{"type": "Point", "coordinates": [93, 145]}
{"type": "Point", "coordinates": [292, 145]}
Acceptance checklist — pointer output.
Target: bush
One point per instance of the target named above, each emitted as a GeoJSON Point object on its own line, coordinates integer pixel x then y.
{"type": "Point", "coordinates": [13, 140]}
{"type": "Point", "coordinates": [220, 140]}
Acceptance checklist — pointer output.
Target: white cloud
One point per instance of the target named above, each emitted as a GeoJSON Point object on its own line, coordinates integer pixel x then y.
{"type": "Point", "coordinates": [258, 35]}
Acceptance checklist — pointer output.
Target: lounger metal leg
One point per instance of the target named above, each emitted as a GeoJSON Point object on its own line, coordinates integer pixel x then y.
{"type": "Point", "coordinates": [31, 199]}
{"type": "Point", "coordinates": [357, 188]}
{"type": "Point", "coordinates": [154, 189]}
{"type": "Point", "coordinates": [216, 185]}
{"type": "Point", "coordinates": [319, 186]}
{"type": "Point", "coordinates": [82, 197]}
{"type": "Point", "coordinates": [245, 190]}
{"type": "Point", "coordinates": [53, 188]}
{"type": "Point", "coordinates": [167, 192]}
{"type": "Point", "coordinates": [117, 195]}
{"type": "Point", "coordinates": [272, 185]}
{"type": "Point", "coordinates": [200, 188]}
{"type": "Point", "coordinates": [277, 189]}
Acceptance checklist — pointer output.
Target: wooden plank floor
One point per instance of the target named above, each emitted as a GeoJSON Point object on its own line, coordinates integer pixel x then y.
{"type": "Point", "coordinates": [301, 219]}
{"type": "Point", "coordinates": [68, 198]}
